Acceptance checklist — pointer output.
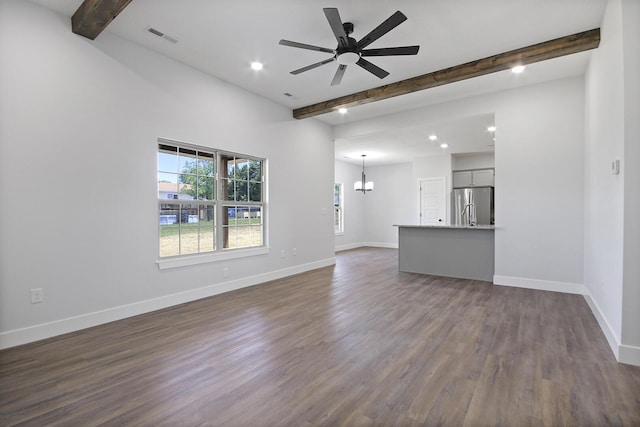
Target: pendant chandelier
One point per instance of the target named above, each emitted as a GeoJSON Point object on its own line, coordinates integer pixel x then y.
{"type": "Point", "coordinates": [363, 185]}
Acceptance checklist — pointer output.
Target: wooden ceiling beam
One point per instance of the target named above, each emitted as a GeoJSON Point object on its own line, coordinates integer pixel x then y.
{"type": "Point", "coordinates": [562, 46]}
{"type": "Point", "coordinates": [93, 16]}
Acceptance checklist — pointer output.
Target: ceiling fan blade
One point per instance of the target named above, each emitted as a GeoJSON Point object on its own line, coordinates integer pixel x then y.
{"type": "Point", "coordinates": [373, 69]}
{"type": "Point", "coordinates": [337, 78]}
{"type": "Point", "coordinates": [386, 51]}
{"type": "Point", "coordinates": [312, 66]}
{"type": "Point", "coordinates": [305, 46]}
{"type": "Point", "coordinates": [336, 25]}
{"type": "Point", "coordinates": [382, 29]}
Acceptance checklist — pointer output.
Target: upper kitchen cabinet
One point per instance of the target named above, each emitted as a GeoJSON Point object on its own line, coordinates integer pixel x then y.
{"type": "Point", "coordinates": [473, 178]}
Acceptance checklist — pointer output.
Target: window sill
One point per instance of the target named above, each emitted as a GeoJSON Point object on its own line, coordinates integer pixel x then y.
{"type": "Point", "coordinates": [184, 261]}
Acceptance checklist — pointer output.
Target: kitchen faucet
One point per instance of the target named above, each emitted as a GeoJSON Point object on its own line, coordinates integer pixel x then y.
{"type": "Point", "coordinates": [472, 213]}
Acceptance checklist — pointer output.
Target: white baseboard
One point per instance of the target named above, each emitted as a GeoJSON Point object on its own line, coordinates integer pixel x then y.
{"type": "Point", "coordinates": [609, 334]}
{"type": "Point", "coordinates": [629, 355]}
{"type": "Point", "coordinates": [366, 244]}
{"type": "Point", "coordinates": [349, 246]}
{"type": "Point", "coordinates": [381, 245]}
{"type": "Point", "coordinates": [541, 285]}
{"type": "Point", "coordinates": [58, 327]}
{"type": "Point", "coordinates": [624, 353]}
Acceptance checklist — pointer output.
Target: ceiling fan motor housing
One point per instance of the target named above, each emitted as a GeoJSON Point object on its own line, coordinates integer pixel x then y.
{"type": "Point", "coordinates": [349, 54]}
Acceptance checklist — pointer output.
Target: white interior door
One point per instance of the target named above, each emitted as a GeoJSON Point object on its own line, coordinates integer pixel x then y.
{"type": "Point", "coordinates": [433, 208]}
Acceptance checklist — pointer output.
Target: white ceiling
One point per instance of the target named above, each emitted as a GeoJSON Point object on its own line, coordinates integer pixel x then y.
{"type": "Point", "coordinates": [222, 38]}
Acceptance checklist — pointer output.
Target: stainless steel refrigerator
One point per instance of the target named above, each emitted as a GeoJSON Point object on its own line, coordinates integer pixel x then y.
{"type": "Point", "coordinates": [472, 206]}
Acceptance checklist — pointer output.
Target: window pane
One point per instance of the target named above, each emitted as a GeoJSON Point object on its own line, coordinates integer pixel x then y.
{"type": "Point", "coordinates": [255, 191]}
{"type": "Point", "coordinates": [255, 235]}
{"type": "Point", "coordinates": [205, 167]}
{"type": "Point", "coordinates": [242, 169]}
{"type": "Point", "coordinates": [187, 161]}
{"type": "Point", "coordinates": [207, 227]}
{"type": "Point", "coordinates": [242, 191]}
{"type": "Point", "coordinates": [167, 162]}
{"type": "Point", "coordinates": [255, 170]}
{"type": "Point", "coordinates": [230, 238]}
{"type": "Point", "coordinates": [231, 190]}
{"type": "Point", "coordinates": [230, 217]}
{"type": "Point", "coordinates": [189, 229]}
{"type": "Point", "coordinates": [255, 214]}
{"type": "Point", "coordinates": [205, 188]}
{"type": "Point", "coordinates": [231, 167]}
{"type": "Point", "coordinates": [188, 187]}
{"type": "Point", "coordinates": [169, 230]}
{"type": "Point", "coordinates": [167, 185]}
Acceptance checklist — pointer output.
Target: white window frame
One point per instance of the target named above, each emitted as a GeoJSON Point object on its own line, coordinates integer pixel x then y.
{"type": "Point", "coordinates": [338, 209]}
{"type": "Point", "coordinates": [219, 203]}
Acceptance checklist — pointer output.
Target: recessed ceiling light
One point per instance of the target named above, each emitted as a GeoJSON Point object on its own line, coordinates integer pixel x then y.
{"type": "Point", "coordinates": [432, 137]}
{"type": "Point", "coordinates": [518, 69]}
{"type": "Point", "coordinates": [256, 66]}
{"type": "Point", "coordinates": [444, 145]}
{"type": "Point", "coordinates": [491, 128]}
{"type": "Point", "coordinates": [342, 110]}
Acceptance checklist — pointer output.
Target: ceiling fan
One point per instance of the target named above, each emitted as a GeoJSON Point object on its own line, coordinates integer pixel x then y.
{"type": "Point", "coordinates": [350, 51]}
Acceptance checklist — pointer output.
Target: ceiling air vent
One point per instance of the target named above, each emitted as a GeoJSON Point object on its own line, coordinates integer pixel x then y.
{"type": "Point", "coordinates": [162, 35]}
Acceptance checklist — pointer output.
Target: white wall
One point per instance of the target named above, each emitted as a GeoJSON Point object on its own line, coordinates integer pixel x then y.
{"type": "Point", "coordinates": [354, 218]}
{"type": "Point", "coordinates": [631, 273]}
{"type": "Point", "coordinates": [539, 161]}
{"type": "Point", "coordinates": [612, 232]}
{"type": "Point", "coordinates": [604, 197]}
{"type": "Point", "coordinates": [539, 196]}
{"type": "Point", "coordinates": [392, 202]}
{"type": "Point", "coordinates": [78, 141]}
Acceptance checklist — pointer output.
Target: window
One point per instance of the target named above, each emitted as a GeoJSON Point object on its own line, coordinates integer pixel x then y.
{"type": "Point", "coordinates": [338, 214]}
{"type": "Point", "coordinates": [241, 201]}
{"type": "Point", "coordinates": [208, 200]}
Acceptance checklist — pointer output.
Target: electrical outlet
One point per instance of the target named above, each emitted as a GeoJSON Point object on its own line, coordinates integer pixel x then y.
{"type": "Point", "coordinates": [225, 272]}
{"type": "Point", "coordinates": [37, 295]}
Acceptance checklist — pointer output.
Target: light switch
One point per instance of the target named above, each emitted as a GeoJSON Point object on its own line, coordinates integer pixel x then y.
{"type": "Point", "coordinates": [615, 167]}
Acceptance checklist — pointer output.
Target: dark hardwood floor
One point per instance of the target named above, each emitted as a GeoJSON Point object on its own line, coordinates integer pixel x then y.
{"type": "Point", "coordinates": [355, 344]}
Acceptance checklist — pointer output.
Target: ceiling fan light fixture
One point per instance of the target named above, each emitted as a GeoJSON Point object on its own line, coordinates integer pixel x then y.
{"type": "Point", "coordinates": [348, 58]}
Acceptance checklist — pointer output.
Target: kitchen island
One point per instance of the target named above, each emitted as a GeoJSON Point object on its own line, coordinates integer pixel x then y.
{"type": "Point", "coordinates": [454, 251]}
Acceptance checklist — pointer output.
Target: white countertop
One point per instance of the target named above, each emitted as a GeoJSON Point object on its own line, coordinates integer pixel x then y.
{"type": "Point", "coordinates": [455, 227]}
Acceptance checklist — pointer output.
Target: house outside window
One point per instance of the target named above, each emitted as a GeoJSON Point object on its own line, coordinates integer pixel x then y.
{"type": "Point", "coordinates": [208, 200]}
{"type": "Point", "coordinates": [338, 210]}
